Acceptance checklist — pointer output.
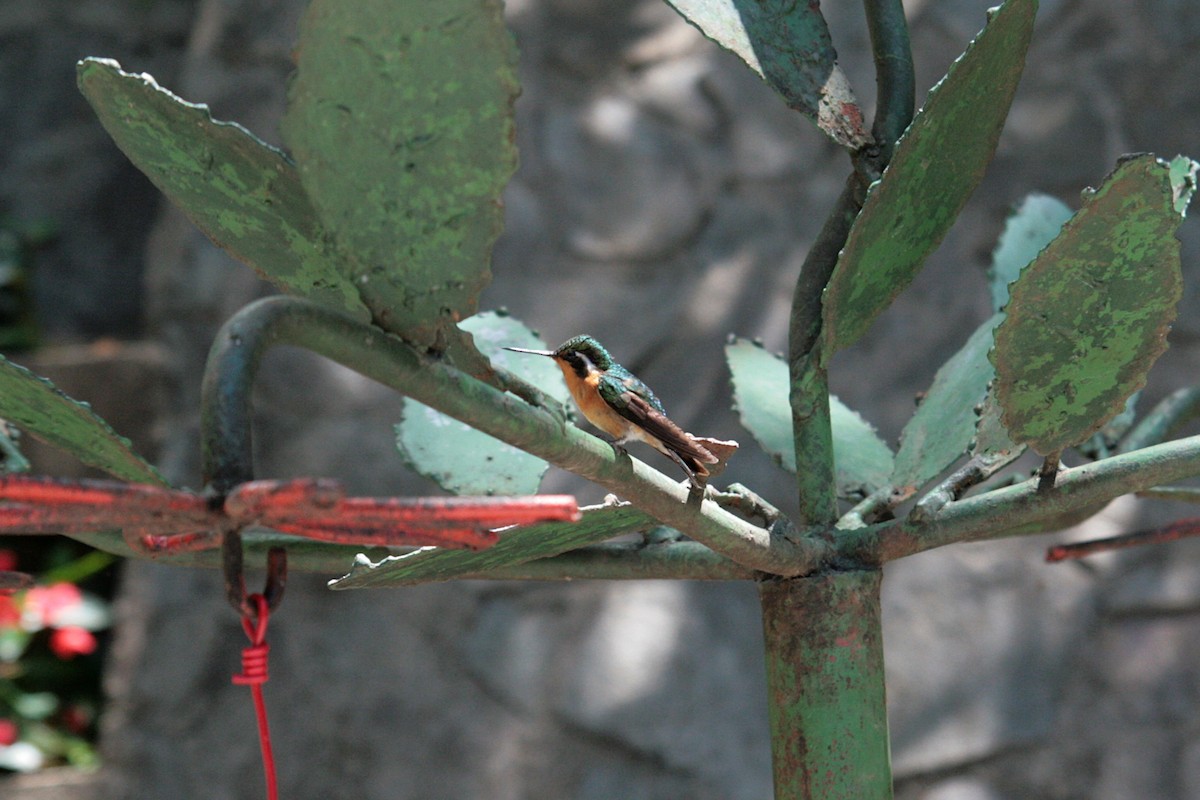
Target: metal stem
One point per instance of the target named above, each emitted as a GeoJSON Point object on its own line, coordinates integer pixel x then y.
{"type": "Point", "coordinates": [895, 78]}
{"type": "Point", "coordinates": [824, 648]}
{"type": "Point", "coordinates": [242, 341]}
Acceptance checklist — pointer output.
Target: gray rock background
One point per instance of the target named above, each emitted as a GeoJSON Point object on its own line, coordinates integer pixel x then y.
{"type": "Point", "coordinates": [665, 199]}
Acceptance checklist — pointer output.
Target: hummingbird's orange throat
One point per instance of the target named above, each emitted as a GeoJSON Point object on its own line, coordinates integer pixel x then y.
{"type": "Point", "coordinates": [614, 400]}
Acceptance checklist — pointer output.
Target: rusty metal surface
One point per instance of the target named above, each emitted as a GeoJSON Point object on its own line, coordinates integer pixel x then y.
{"type": "Point", "coordinates": [154, 520]}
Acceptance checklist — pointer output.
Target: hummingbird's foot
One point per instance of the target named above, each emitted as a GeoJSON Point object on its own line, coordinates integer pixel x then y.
{"type": "Point", "coordinates": [618, 446]}
{"type": "Point", "coordinates": [697, 483]}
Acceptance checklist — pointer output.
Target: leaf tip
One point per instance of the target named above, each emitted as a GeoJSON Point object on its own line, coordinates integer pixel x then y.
{"type": "Point", "coordinates": [1183, 173]}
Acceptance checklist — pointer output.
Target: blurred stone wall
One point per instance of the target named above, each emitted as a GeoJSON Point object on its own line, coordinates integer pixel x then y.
{"type": "Point", "coordinates": [665, 199]}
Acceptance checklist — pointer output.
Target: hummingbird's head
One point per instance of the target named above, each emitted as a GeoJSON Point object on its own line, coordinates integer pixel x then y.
{"type": "Point", "coordinates": [578, 348]}
{"type": "Point", "coordinates": [579, 353]}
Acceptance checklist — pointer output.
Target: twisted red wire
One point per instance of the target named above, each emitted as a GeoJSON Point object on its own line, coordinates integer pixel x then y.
{"type": "Point", "coordinates": [254, 674]}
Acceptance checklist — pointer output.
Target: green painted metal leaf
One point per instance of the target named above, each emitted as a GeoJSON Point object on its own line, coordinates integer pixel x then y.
{"type": "Point", "coordinates": [456, 456]}
{"type": "Point", "coordinates": [400, 118]}
{"type": "Point", "coordinates": [1029, 228]}
{"type": "Point", "coordinates": [993, 448]}
{"type": "Point", "coordinates": [943, 427]}
{"type": "Point", "coordinates": [788, 45]}
{"type": "Point", "coordinates": [937, 164]}
{"type": "Point", "coordinates": [245, 195]}
{"type": "Point", "coordinates": [1089, 317]}
{"type": "Point", "coordinates": [760, 389]}
{"type": "Point", "coordinates": [517, 546]}
{"type": "Point", "coordinates": [39, 409]}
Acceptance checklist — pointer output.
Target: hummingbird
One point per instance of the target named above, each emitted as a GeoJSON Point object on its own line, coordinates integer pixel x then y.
{"type": "Point", "coordinates": [617, 402]}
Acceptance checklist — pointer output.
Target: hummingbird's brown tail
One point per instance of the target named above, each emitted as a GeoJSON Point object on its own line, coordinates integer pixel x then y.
{"type": "Point", "coordinates": [709, 456]}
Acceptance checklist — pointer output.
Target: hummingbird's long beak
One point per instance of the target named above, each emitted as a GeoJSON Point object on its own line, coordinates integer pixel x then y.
{"type": "Point", "coordinates": [534, 352]}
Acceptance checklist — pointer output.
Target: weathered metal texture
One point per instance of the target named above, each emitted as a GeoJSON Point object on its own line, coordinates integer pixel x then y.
{"type": "Point", "coordinates": [36, 407]}
{"type": "Point", "coordinates": [154, 520]}
{"type": "Point", "coordinates": [788, 45]}
{"type": "Point", "coordinates": [941, 430]}
{"type": "Point", "coordinates": [895, 75]}
{"type": "Point", "coordinates": [936, 166]}
{"type": "Point", "coordinates": [1032, 225]}
{"type": "Point", "coordinates": [233, 567]}
{"type": "Point", "coordinates": [824, 649]}
{"type": "Point", "coordinates": [518, 546]}
{"type": "Point", "coordinates": [760, 386]}
{"type": "Point", "coordinates": [1022, 509]}
{"type": "Point", "coordinates": [1089, 317]}
{"type": "Point", "coordinates": [1180, 529]}
{"type": "Point", "coordinates": [244, 194]}
{"type": "Point", "coordinates": [318, 510]}
{"type": "Point", "coordinates": [247, 335]}
{"type": "Point", "coordinates": [993, 448]}
{"type": "Point", "coordinates": [626, 561]}
{"type": "Point", "coordinates": [404, 147]}
{"type": "Point", "coordinates": [808, 387]}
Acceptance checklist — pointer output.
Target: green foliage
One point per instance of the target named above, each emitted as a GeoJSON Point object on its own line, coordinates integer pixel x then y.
{"type": "Point", "coordinates": [401, 122]}
{"type": "Point", "coordinates": [936, 166]}
{"type": "Point", "coordinates": [788, 45]}
{"type": "Point", "coordinates": [1088, 318]}
{"type": "Point", "coordinates": [517, 546]}
{"type": "Point", "coordinates": [38, 408]}
{"type": "Point", "coordinates": [760, 388]}
{"type": "Point", "coordinates": [245, 195]}
{"type": "Point", "coordinates": [51, 655]}
{"type": "Point", "coordinates": [456, 456]}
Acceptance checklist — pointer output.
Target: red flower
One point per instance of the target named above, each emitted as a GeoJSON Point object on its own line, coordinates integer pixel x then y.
{"type": "Point", "coordinates": [72, 641]}
{"type": "Point", "coordinates": [10, 612]}
{"type": "Point", "coordinates": [46, 603]}
{"type": "Point", "coordinates": [76, 719]}
{"type": "Point", "coordinates": [8, 732]}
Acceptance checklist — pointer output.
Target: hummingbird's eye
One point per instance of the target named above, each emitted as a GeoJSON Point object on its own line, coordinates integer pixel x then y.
{"type": "Point", "coordinates": [578, 363]}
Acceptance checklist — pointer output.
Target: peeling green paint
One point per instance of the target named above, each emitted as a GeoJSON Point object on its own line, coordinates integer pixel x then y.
{"type": "Point", "coordinates": [244, 194]}
{"type": "Point", "coordinates": [1089, 317]}
{"type": "Point", "coordinates": [824, 655]}
{"type": "Point", "coordinates": [405, 145]}
{"type": "Point", "coordinates": [38, 408]}
{"type": "Point", "coordinates": [518, 546]}
{"type": "Point", "coordinates": [788, 45]}
{"type": "Point", "coordinates": [1031, 226]}
{"type": "Point", "coordinates": [937, 165]}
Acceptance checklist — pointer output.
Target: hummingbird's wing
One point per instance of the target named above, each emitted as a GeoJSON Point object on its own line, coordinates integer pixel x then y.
{"type": "Point", "coordinates": [650, 418]}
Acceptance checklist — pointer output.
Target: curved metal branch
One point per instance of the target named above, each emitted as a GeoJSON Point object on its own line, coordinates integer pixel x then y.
{"type": "Point", "coordinates": [895, 78]}
{"type": "Point", "coordinates": [243, 340]}
{"type": "Point", "coordinates": [809, 395]}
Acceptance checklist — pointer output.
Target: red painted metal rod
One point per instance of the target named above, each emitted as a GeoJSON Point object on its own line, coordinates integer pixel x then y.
{"type": "Point", "coordinates": [1180, 529]}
